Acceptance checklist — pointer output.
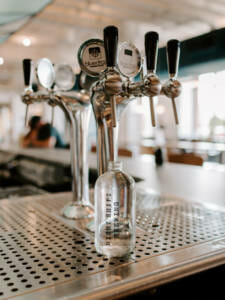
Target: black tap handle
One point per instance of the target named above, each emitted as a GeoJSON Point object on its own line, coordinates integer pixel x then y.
{"type": "Point", "coordinates": [151, 50]}
{"type": "Point", "coordinates": [27, 66]}
{"type": "Point", "coordinates": [110, 43]}
{"type": "Point", "coordinates": [173, 55]}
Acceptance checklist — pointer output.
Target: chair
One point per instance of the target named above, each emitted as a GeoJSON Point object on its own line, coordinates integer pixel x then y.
{"type": "Point", "coordinates": [186, 158]}
{"type": "Point", "coordinates": [147, 150]}
{"type": "Point", "coordinates": [121, 151]}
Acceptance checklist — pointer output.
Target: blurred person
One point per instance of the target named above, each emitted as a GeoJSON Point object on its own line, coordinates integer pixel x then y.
{"type": "Point", "coordinates": [160, 141]}
{"type": "Point", "coordinates": [42, 135]}
{"type": "Point", "coordinates": [34, 124]}
{"type": "Point", "coordinates": [49, 136]}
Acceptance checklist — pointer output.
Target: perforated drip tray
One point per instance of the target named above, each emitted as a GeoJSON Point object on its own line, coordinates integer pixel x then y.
{"type": "Point", "coordinates": [13, 192]}
{"type": "Point", "coordinates": [43, 256]}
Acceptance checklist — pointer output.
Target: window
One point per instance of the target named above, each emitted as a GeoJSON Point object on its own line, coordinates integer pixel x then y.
{"type": "Point", "coordinates": [211, 106]}
{"type": "Point", "coordinates": [186, 110]}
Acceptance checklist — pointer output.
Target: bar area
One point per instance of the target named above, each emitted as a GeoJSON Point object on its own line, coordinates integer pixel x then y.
{"type": "Point", "coordinates": [112, 149]}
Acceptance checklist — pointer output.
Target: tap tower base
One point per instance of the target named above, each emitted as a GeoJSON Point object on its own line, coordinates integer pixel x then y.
{"type": "Point", "coordinates": [77, 211]}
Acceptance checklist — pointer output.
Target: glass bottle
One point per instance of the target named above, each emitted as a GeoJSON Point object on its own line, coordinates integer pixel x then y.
{"type": "Point", "coordinates": [115, 202]}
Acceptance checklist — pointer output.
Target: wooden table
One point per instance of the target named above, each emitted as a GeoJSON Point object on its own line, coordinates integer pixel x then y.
{"type": "Point", "coordinates": [204, 147]}
{"type": "Point", "coordinates": [188, 145]}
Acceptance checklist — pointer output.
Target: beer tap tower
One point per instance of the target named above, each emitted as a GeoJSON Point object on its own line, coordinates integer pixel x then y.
{"type": "Point", "coordinates": [76, 106]}
{"type": "Point", "coordinates": [109, 96]}
{"type": "Point", "coordinates": [111, 93]}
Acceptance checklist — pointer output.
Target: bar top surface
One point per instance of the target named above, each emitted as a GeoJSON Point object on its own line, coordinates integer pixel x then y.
{"type": "Point", "coordinates": [190, 182]}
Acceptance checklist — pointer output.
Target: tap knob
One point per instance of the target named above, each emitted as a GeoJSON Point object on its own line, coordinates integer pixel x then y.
{"type": "Point", "coordinates": [111, 43]}
{"type": "Point", "coordinates": [27, 73]}
{"type": "Point", "coordinates": [173, 55]}
{"type": "Point", "coordinates": [151, 50]}
{"type": "Point", "coordinates": [172, 88]}
{"type": "Point", "coordinates": [113, 81]}
{"type": "Point", "coordinates": [152, 85]}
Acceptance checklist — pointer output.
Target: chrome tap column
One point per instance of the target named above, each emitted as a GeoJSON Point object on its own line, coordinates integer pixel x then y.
{"type": "Point", "coordinates": [78, 105]}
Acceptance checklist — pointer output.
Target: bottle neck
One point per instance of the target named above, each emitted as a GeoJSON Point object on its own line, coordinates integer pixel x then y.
{"type": "Point", "coordinates": [114, 166]}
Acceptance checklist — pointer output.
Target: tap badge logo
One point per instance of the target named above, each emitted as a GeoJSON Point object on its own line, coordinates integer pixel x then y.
{"type": "Point", "coordinates": [128, 52]}
{"type": "Point", "coordinates": [129, 60]}
{"type": "Point", "coordinates": [95, 52]}
{"type": "Point", "coordinates": [91, 57]}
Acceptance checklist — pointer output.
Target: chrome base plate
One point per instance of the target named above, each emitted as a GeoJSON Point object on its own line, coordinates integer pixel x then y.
{"type": "Point", "coordinates": [46, 256]}
{"type": "Point", "coordinates": [77, 211]}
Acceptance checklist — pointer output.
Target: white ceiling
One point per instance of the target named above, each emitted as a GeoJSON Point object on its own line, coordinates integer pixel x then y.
{"type": "Point", "coordinates": [59, 29]}
{"type": "Point", "coordinates": [14, 14]}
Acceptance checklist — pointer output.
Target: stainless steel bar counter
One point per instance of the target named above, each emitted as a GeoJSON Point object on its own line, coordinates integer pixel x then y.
{"type": "Point", "coordinates": [44, 256]}
{"type": "Point", "coordinates": [189, 182]}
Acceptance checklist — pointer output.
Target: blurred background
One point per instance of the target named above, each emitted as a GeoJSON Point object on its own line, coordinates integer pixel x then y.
{"type": "Point", "coordinates": [170, 162]}
{"type": "Point", "coordinates": [56, 29]}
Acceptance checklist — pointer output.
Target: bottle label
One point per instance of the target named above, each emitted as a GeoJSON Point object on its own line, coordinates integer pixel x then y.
{"type": "Point", "coordinates": [112, 219]}
{"type": "Point", "coordinates": [116, 219]}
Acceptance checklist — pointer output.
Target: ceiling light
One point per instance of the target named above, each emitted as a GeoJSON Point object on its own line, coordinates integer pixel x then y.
{"type": "Point", "coordinates": [160, 109]}
{"type": "Point", "coordinates": [26, 42]}
{"type": "Point", "coordinates": [1, 60]}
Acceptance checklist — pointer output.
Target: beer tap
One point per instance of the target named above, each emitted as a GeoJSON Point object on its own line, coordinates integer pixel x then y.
{"type": "Point", "coordinates": [115, 87]}
{"type": "Point", "coordinates": [113, 81]}
{"type": "Point", "coordinates": [27, 72]}
{"type": "Point", "coordinates": [172, 88]}
{"type": "Point", "coordinates": [151, 84]}
{"type": "Point", "coordinates": [76, 106]}
{"type": "Point", "coordinates": [92, 60]}
{"type": "Point", "coordinates": [108, 94]}
{"type": "Point", "coordinates": [112, 92]}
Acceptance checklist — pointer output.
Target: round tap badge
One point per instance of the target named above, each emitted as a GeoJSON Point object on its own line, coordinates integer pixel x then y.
{"type": "Point", "coordinates": [45, 73]}
{"type": "Point", "coordinates": [91, 57]}
{"type": "Point", "coordinates": [64, 77]}
{"type": "Point", "coordinates": [129, 60]}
